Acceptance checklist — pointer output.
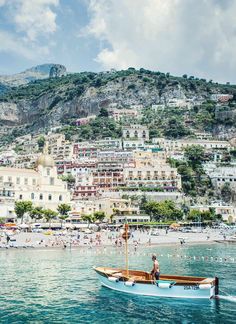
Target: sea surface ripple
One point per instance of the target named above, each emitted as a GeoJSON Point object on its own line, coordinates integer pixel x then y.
{"type": "Point", "coordinates": [59, 286]}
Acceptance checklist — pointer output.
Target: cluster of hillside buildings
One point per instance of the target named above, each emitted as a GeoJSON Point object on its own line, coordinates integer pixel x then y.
{"type": "Point", "coordinates": [104, 175]}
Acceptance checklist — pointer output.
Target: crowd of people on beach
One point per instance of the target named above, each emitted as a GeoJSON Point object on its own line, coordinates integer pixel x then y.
{"type": "Point", "coordinates": [113, 237]}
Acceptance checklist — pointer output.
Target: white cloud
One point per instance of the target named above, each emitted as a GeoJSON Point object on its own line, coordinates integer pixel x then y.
{"type": "Point", "coordinates": [31, 21]}
{"type": "Point", "coordinates": [35, 17]}
{"type": "Point", "coordinates": [10, 43]}
{"type": "Point", "coordinates": [177, 36]}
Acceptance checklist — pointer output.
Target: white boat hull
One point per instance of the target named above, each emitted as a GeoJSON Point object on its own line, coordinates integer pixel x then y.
{"type": "Point", "coordinates": [175, 291]}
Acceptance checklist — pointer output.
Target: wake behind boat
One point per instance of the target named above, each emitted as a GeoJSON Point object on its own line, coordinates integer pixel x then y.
{"type": "Point", "coordinates": [142, 283]}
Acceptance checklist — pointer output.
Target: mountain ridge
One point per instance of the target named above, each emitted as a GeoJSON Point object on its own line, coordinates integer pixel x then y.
{"type": "Point", "coordinates": [37, 72]}
{"type": "Point", "coordinates": [52, 102]}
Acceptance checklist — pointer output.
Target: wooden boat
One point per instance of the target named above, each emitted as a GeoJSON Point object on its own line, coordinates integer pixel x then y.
{"type": "Point", "coordinates": [141, 282]}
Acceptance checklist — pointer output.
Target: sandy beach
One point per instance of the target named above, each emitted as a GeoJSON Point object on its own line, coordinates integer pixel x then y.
{"type": "Point", "coordinates": [106, 238]}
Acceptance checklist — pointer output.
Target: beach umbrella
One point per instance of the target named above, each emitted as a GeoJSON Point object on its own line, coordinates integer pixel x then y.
{"type": "Point", "coordinates": [23, 226]}
{"type": "Point", "coordinates": [174, 225]}
{"type": "Point", "coordinates": [10, 225]}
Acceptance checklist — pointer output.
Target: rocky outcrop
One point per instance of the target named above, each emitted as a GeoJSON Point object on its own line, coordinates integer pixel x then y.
{"type": "Point", "coordinates": [57, 70]}
{"type": "Point", "coordinates": [9, 113]}
{"type": "Point", "coordinates": [38, 72]}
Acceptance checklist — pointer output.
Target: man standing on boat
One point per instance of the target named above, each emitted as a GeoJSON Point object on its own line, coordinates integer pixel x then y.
{"type": "Point", "coordinates": [156, 269]}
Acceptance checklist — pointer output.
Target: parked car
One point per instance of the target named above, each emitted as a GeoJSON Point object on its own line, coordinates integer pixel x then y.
{"type": "Point", "coordinates": [187, 230]}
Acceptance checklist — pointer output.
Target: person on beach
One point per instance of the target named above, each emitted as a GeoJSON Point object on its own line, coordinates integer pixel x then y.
{"type": "Point", "coordinates": [135, 246]}
{"type": "Point", "coordinates": [156, 269]}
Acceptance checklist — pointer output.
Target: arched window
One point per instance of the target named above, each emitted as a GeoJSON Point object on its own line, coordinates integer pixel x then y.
{"type": "Point", "coordinates": [60, 198]}
{"type": "Point", "coordinates": [41, 196]}
{"type": "Point", "coordinates": [49, 197]}
{"type": "Point", "coordinates": [32, 196]}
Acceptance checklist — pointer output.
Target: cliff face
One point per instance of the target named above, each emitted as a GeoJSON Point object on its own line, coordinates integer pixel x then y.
{"type": "Point", "coordinates": [51, 102]}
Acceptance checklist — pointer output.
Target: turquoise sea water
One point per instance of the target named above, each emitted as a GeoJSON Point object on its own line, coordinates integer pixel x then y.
{"type": "Point", "coordinates": [59, 286]}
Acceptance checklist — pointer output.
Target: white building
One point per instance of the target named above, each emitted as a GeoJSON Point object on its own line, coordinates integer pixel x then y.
{"type": "Point", "coordinates": [110, 206]}
{"type": "Point", "coordinates": [181, 144]}
{"type": "Point", "coordinates": [221, 175]}
{"type": "Point", "coordinates": [133, 144]}
{"type": "Point", "coordinates": [41, 186]}
{"type": "Point", "coordinates": [135, 132]}
{"type": "Point", "coordinates": [162, 176]}
{"type": "Point", "coordinates": [113, 143]}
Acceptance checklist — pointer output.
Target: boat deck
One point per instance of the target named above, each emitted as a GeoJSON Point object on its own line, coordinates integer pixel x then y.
{"type": "Point", "coordinates": [144, 277]}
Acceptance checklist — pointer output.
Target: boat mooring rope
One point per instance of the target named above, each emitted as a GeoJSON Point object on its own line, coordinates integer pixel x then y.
{"type": "Point", "coordinates": [206, 258]}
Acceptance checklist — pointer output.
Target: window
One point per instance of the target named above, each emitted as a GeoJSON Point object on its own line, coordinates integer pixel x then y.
{"type": "Point", "coordinates": [60, 198]}
{"type": "Point", "coordinates": [20, 197]}
{"type": "Point", "coordinates": [52, 181]}
{"type": "Point", "coordinates": [41, 196]}
{"type": "Point", "coordinates": [25, 181]}
{"type": "Point", "coordinates": [1, 179]}
{"type": "Point", "coordinates": [49, 197]}
{"type": "Point", "coordinates": [48, 172]}
{"type": "Point", "coordinates": [34, 182]}
{"type": "Point", "coordinates": [17, 180]}
{"type": "Point", "coordinates": [32, 196]}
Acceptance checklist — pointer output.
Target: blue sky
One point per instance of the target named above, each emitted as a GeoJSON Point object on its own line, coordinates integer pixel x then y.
{"type": "Point", "coordinates": [177, 36]}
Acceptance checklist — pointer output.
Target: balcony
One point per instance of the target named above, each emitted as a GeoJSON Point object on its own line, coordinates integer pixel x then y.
{"type": "Point", "coordinates": [6, 185]}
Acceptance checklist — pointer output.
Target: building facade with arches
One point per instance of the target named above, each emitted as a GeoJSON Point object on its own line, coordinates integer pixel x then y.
{"type": "Point", "coordinates": [40, 185]}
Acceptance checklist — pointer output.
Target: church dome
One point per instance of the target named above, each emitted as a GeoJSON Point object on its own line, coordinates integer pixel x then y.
{"type": "Point", "coordinates": [45, 161]}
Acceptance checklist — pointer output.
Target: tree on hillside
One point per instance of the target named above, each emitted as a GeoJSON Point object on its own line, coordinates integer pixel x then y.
{"type": "Point", "coordinates": [69, 179]}
{"type": "Point", "coordinates": [143, 202]}
{"type": "Point", "coordinates": [163, 210]}
{"type": "Point", "coordinates": [21, 208]}
{"type": "Point", "coordinates": [194, 155]}
{"type": "Point", "coordinates": [226, 192]}
{"type": "Point", "coordinates": [175, 129]}
{"type": "Point", "coordinates": [103, 113]}
{"type": "Point", "coordinates": [41, 143]}
{"type": "Point", "coordinates": [196, 215]}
